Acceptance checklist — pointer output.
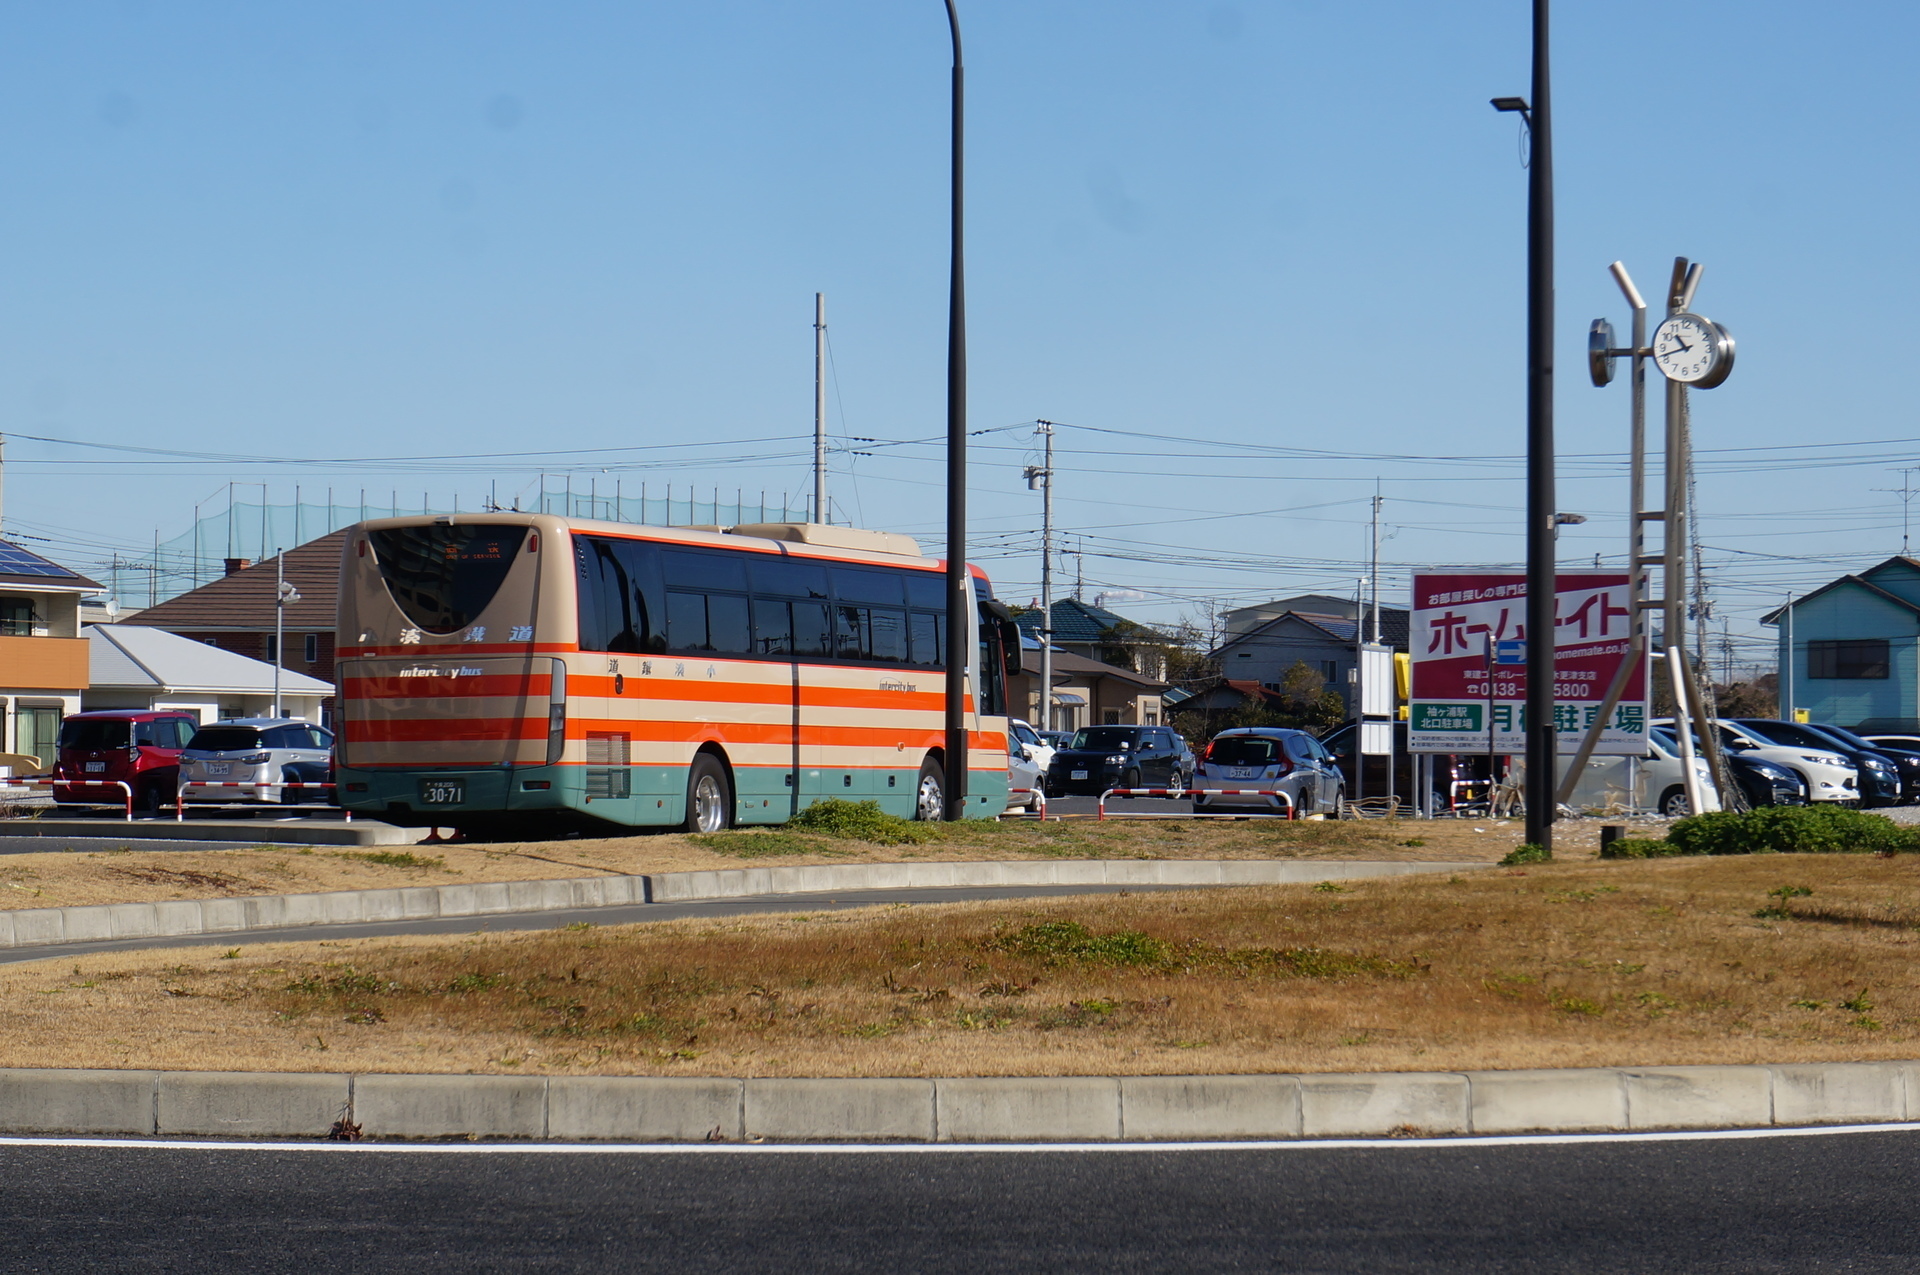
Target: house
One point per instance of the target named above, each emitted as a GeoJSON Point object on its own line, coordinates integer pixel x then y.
{"type": "Point", "coordinates": [137, 666]}
{"type": "Point", "coordinates": [1262, 642]}
{"type": "Point", "coordinates": [43, 658]}
{"type": "Point", "coordinates": [1847, 650]}
{"type": "Point", "coordinates": [1085, 692]}
{"type": "Point", "coordinates": [236, 612]}
{"type": "Point", "coordinates": [1097, 634]}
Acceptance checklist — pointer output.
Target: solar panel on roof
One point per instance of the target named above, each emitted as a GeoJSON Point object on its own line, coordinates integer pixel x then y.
{"type": "Point", "coordinates": [16, 561]}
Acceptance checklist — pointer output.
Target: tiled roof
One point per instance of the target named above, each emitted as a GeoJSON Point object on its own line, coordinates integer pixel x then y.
{"type": "Point", "coordinates": [1079, 623]}
{"type": "Point", "coordinates": [24, 568]}
{"type": "Point", "coordinates": [244, 600]}
{"type": "Point", "coordinates": [1069, 664]}
{"type": "Point", "coordinates": [1393, 627]}
{"type": "Point", "coordinates": [128, 655]}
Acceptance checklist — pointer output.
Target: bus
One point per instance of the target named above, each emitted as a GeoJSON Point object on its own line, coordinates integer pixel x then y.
{"type": "Point", "coordinates": [508, 673]}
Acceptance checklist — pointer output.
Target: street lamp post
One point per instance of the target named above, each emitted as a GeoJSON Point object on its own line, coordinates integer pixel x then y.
{"type": "Point", "coordinates": [1540, 733]}
{"type": "Point", "coordinates": [959, 629]}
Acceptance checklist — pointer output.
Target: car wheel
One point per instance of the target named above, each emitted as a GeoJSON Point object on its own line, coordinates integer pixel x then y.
{"type": "Point", "coordinates": [929, 793]}
{"type": "Point", "coordinates": [1674, 803]}
{"type": "Point", "coordinates": [1130, 780]}
{"type": "Point", "coordinates": [1304, 805]}
{"type": "Point", "coordinates": [148, 799]}
{"type": "Point", "coordinates": [709, 796]}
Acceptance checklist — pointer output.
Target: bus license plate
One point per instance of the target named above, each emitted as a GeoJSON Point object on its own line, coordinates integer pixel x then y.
{"type": "Point", "coordinates": [443, 792]}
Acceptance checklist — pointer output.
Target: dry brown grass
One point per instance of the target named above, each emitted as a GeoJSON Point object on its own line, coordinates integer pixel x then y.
{"type": "Point", "coordinates": [1643, 963]}
{"type": "Point", "coordinates": [132, 875]}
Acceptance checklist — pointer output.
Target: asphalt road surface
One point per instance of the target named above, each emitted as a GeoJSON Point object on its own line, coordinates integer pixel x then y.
{"type": "Point", "coordinates": [1836, 1202]}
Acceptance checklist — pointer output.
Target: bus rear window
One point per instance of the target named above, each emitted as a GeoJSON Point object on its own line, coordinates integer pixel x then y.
{"type": "Point", "coordinates": [442, 577]}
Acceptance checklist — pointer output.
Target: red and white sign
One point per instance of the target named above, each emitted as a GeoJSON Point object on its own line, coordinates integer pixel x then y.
{"type": "Point", "coordinates": [1459, 692]}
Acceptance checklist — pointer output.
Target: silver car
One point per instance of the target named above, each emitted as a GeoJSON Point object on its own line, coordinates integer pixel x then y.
{"type": "Point", "coordinates": [1270, 757]}
{"type": "Point", "coordinates": [1025, 780]}
{"type": "Point", "coordinates": [261, 753]}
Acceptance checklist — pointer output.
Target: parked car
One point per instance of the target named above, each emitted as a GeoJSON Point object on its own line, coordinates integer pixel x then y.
{"type": "Point", "coordinates": [1269, 757]}
{"type": "Point", "coordinates": [1905, 758]}
{"type": "Point", "coordinates": [1877, 775]}
{"type": "Point", "coordinates": [1461, 775]}
{"type": "Point", "coordinates": [1024, 777]}
{"type": "Point", "coordinates": [262, 752]}
{"type": "Point", "coordinates": [1828, 775]}
{"type": "Point", "coordinates": [1101, 757]}
{"type": "Point", "coordinates": [1058, 738]}
{"type": "Point", "coordinates": [1762, 783]}
{"type": "Point", "coordinates": [100, 750]}
{"type": "Point", "coordinates": [1656, 779]}
{"type": "Point", "coordinates": [1040, 749]}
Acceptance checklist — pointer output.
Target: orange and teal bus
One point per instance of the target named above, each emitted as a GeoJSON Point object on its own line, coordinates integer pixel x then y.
{"type": "Point", "coordinates": [523, 673]}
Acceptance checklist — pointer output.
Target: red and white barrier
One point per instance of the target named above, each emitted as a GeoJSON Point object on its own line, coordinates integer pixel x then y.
{"type": "Point", "coordinates": [1039, 796]}
{"type": "Point", "coordinates": [1197, 792]}
{"type": "Point", "coordinates": [121, 784]}
{"type": "Point", "coordinates": [260, 787]}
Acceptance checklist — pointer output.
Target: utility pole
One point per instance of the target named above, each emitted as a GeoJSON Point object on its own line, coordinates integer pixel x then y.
{"type": "Point", "coordinates": [1042, 477]}
{"type": "Point", "coordinates": [1374, 577]}
{"type": "Point", "coordinates": [820, 408]}
{"type": "Point", "coordinates": [284, 594]}
{"type": "Point", "coordinates": [959, 622]}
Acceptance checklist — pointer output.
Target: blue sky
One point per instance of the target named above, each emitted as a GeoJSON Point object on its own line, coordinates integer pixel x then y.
{"type": "Point", "coordinates": [1198, 232]}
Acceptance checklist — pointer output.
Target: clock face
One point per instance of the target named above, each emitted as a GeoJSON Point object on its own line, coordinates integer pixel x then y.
{"type": "Point", "coordinates": [1687, 348]}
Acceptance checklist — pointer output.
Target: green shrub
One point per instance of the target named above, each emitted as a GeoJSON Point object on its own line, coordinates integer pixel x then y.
{"type": "Point", "coordinates": [1638, 848]}
{"type": "Point", "coordinates": [1072, 941]}
{"type": "Point", "coordinates": [1528, 853]}
{"type": "Point", "coordinates": [1822, 829]}
{"type": "Point", "coordinates": [859, 821]}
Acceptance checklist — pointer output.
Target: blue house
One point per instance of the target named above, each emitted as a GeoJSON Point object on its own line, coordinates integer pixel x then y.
{"type": "Point", "coordinates": [1848, 650]}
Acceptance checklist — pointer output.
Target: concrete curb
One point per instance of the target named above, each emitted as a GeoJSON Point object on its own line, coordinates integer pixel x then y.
{"type": "Point", "coordinates": [40, 927]}
{"type": "Point", "coordinates": [167, 832]}
{"type": "Point", "coordinates": [960, 1109]}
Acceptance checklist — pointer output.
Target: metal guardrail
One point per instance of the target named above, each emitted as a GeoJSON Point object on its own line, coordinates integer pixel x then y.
{"type": "Point", "coordinates": [1292, 813]}
{"type": "Point", "coordinates": [1039, 796]}
{"type": "Point", "coordinates": [121, 784]}
{"type": "Point", "coordinates": [180, 794]}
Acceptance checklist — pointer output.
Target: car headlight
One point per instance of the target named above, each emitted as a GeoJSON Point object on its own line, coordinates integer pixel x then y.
{"type": "Point", "coordinates": [1116, 760]}
{"type": "Point", "coordinates": [1823, 759]}
{"type": "Point", "coordinates": [1874, 763]}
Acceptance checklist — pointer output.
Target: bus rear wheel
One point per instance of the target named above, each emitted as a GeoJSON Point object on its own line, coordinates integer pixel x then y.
{"type": "Point", "coordinates": [709, 796]}
{"type": "Point", "coordinates": [930, 793]}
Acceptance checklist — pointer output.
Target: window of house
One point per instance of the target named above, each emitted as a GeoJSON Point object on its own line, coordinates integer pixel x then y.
{"type": "Point", "coordinates": [1329, 670]}
{"type": "Point", "coordinates": [313, 648]}
{"type": "Point", "coordinates": [273, 648]}
{"type": "Point", "coordinates": [16, 617]}
{"type": "Point", "coordinates": [1860, 658]}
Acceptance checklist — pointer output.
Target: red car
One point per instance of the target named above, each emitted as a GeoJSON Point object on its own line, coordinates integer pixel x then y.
{"type": "Point", "coordinates": [101, 750]}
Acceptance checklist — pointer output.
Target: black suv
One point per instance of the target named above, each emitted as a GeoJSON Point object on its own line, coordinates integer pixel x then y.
{"type": "Point", "coordinates": [1101, 757]}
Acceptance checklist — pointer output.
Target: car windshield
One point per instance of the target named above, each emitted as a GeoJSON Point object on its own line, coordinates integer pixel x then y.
{"type": "Point", "coordinates": [93, 734]}
{"type": "Point", "coordinates": [1094, 738]}
{"type": "Point", "coordinates": [224, 739]}
{"type": "Point", "coordinates": [1244, 750]}
{"type": "Point", "coordinates": [1768, 733]}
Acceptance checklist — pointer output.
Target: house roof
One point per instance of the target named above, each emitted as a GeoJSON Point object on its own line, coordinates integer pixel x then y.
{"type": "Point", "coordinates": [1082, 623]}
{"type": "Point", "coordinates": [1077, 667]}
{"type": "Point", "coordinates": [25, 569]}
{"type": "Point", "coordinates": [129, 656]}
{"type": "Point", "coordinates": [1773, 616]}
{"type": "Point", "coordinates": [1393, 627]}
{"type": "Point", "coordinates": [245, 599]}
{"type": "Point", "coordinates": [1311, 603]}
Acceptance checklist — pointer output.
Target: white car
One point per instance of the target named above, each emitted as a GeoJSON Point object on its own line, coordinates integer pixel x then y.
{"type": "Point", "coordinates": [1039, 749]}
{"type": "Point", "coordinates": [1657, 780]}
{"type": "Point", "coordinates": [1829, 776]}
{"type": "Point", "coordinates": [1024, 778]}
{"type": "Point", "coordinates": [251, 759]}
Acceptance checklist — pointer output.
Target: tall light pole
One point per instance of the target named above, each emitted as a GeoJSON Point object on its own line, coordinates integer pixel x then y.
{"type": "Point", "coordinates": [820, 408]}
{"type": "Point", "coordinates": [1541, 736]}
{"type": "Point", "coordinates": [958, 621]}
{"type": "Point", "coordinates": [1041, 476]}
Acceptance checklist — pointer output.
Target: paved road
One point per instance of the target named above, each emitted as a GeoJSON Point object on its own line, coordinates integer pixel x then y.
{"type": "Point", "coordinates": [617, 915]}
{"type": "Point", "coordinates": [1778, 1204]}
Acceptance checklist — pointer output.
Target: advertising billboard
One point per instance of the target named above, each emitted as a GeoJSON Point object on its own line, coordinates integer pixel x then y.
{"type": "Point", "coordinates": [1468, 644]}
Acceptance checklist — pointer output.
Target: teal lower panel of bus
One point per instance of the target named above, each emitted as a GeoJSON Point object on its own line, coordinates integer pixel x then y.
{"type": "Point", "coordinates": [637, 796]}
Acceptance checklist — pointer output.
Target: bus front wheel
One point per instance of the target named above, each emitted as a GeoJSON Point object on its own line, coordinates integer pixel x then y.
{"type": "Point", "coordinates": [929, 794]}
{"type": "Point", "coordinates": [709, 799]}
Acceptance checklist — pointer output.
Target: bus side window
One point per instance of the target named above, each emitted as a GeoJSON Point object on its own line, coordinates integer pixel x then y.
{"type": "Point", "coordinates": [727, 624]}
{"type": "Point", "coordinates": [851, 639]}
{"type": "Point", "coordinates": [772, 627]}
{"type": "Point", "coordinates": [927, 590]}
{"type": "Point", "coordinates": [687, 621]}
{"type": "Point", "coordinates": [789, 577]}
{"type": "Point", "coordinates": [923, 643]}
{"type": "Point", "coordinates": [889, 635]}
{"type": "Point", "coordinates": [869, 584]}
{"type": "Point", "coordinates": [694, 570]}
{"type": "Point", "coordinates": [811, 636]}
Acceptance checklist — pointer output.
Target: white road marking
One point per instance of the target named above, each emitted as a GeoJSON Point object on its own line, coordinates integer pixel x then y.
{"type": "Point", "coordinates": [1465, 1141]}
